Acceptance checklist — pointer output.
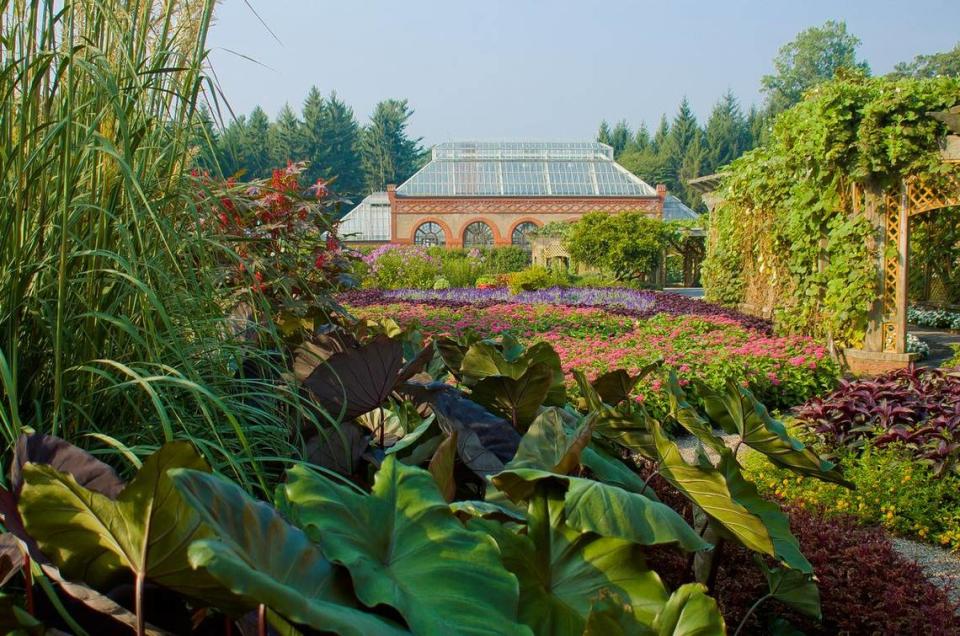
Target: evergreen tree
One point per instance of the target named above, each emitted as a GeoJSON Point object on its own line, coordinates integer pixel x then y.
{"type": "Point", "coordinates": [255, 148]}
{"type": "Point", "coordinates": [603, 135]}
{"type": "Point", "coordinates": [684, 129]}
{"type": "Point", "coordinates": [620, 137]}
{"type": "Point", "coordinates": [286, 139]}
{"type": "Point", "coordinates": [332, 138]}
{"type": "Point", "coordinates": [757, 126]}
{"type": "Point", "coordinates": [691, 167]}
{"type": "Point", "coordinates": [642, 139]}
{"type": "Point", "coordinates": [205, 141]}
{"type": "Point", "coordinates": [727, 136]}
{"type": "Point", "coordinates": [387, 154]}
{"type": "Point", "coordinates": [231, 146]}
{"type": "Point", "coordinates": [661, 135]}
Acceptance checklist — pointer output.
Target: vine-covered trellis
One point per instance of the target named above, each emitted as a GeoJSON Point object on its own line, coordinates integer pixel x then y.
{"type": "Point", "coordinates": [887, 330]}
{"type": "Point", "coordinates": [812, 228]}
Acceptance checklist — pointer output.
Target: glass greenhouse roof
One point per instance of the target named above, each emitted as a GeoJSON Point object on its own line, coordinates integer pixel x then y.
{"type": "Point", "coordinates": [369, 221]}
{"type": "Point", "coordinates": [524, 169]}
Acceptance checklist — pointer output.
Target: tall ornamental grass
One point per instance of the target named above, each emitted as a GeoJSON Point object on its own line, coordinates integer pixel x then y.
{"type": "Point", "coordinates": [112, 323]}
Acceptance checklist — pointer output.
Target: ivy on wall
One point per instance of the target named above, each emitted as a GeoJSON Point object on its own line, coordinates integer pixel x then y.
{"type": "Point", "coordinates": [788, 234]}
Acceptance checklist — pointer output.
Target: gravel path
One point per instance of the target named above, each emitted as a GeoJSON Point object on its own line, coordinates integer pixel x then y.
{"type": "Point", "coordinates": [941, 566]}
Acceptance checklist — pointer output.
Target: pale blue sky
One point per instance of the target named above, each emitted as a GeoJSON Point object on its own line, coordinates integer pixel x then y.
{"type": "Point", "coordinates": [540, 69]}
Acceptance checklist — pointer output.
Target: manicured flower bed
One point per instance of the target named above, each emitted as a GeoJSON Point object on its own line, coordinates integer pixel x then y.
{"type": "Point", "coordinates": [629, 302]}
{"type": "Point", "coordinates": [705, 342]}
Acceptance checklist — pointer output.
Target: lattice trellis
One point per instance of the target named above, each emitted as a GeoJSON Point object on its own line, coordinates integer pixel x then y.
{"type": "Point", "coordinates": [918, 195]}
{"type": "Point", "coordinates": [891, 271]}
{"type": "Point", "coordinates": [924, 194]}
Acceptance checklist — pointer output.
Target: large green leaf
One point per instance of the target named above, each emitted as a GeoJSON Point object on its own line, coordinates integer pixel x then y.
{"type": "Point", "coordinates": [543, 353]}
{"type": "Point", "coordinates": [145, 530]}
{"type": "Point", "coordinates": [611, 470]}
{"type": "Point", "coordinates": [405, 548]}
{"type": "Point", "coordinates": [731, 501]}
{"type": "Point", "coordinates": [516, 399]}
{"type": "Point", "coordinates": [689, 612]}
{"type": "Point", "coordinates": [484, 360]}
{"type": "Point", "coordinates": [620, 425]}
{"type": "Point", "coordinates": [688, 417]}
{"type": "Point", "coordinates": [591, 506]}
{"type": "Point", "coordinates": [563, 571]}
{"type": "Point", "coordinates": [793, 588]}
{"type": "Point", "coordinates": [736, 408]}
{"type": "Point", "coordinates": [615, 386]}
{"type": "Point", "coordinates": [549, 444]}
{"type": "Point", "coordinates": [265, 560]}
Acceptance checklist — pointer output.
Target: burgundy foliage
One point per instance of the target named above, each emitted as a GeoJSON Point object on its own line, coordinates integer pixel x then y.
{"type": "Point", "coordinates": [919, 408]}
{"type": "Point", "coordinates": [866, 587]}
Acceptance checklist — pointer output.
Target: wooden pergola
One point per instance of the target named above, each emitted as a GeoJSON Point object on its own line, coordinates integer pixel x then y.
{"type": "Point", "coordinates": [890, 211]}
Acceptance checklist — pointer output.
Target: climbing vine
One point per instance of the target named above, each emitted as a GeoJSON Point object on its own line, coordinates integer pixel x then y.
{"type": "Point", "coordinates": [790, 237]}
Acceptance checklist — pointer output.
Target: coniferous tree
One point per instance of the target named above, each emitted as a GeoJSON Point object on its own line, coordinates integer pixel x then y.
{"type": "Point", "coordinates": [231, 147]}
{"type": "Point", "coordinates": [387, 154]}
{"type": "Point", "coordinates": [642, 139]}
{"type": "Point", "coordinates": [620, 137]}
{"type": "Point", "coordinates": [603, 135]}
{"type": "Point", "coordinates": [727, 136]}
{"type": "Point", "coordinates": [286, 139]}
{"type": "Point", "coordinates": [332, 138]}
{"type": "Point", "coordinates": [661, 134]}
{"type": "Point", "coordinates": [255, 151]}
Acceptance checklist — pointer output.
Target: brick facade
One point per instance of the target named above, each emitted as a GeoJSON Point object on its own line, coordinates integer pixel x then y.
{"type": "Point", "coordinates": [502, 214]}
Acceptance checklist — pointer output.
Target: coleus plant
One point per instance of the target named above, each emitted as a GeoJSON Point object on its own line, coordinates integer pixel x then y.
{"type": "Point", "coordinates": [918, 409]}
{"type": "Point", "coordinates": [471, 523]}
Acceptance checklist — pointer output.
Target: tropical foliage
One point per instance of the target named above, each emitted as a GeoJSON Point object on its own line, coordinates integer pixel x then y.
{"type": "Point", "coordinates": [537, 478]}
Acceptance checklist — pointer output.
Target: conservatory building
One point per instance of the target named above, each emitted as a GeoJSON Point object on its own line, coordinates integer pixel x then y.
{"type": "Point", "coordinates": [482, 194]}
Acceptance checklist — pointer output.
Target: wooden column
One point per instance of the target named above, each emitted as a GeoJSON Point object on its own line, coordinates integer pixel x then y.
{"type": "Point", "coordinates": [874, 211]}
{"type": "Point", "coordinates": [903, 260]}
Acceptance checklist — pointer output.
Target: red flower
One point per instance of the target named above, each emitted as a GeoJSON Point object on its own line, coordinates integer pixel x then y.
{"type": "Point", "coordinates": [321, 259]}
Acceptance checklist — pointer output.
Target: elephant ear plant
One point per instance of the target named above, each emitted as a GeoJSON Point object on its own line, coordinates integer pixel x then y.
{"type": "Point", "coordinates": [489, 508]}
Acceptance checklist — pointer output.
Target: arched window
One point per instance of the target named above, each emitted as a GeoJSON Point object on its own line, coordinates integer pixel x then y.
{"type": "Point", "coordinates": [520, 236]}
{"type": "Point", "coordinates": [429, 234]}
{"type": "Point", "coordinates": [477, 234]}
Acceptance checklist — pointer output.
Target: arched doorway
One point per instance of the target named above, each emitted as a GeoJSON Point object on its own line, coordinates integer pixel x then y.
{"type": "Point", "coordinates": [477, 234]}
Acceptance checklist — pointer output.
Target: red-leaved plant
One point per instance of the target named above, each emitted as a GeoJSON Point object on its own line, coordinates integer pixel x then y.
{"type": "Point", "coordinates": [918, 408]}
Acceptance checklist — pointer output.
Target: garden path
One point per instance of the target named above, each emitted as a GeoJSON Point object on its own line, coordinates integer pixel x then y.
{"type": "Point", "coordinates": [939, 341]}
{"type": "Point", "coordinates": [942, 567]}
{"type": "Point", "coordinates": [690, 292]}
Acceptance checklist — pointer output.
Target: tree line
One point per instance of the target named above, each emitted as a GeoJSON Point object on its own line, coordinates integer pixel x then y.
{"type": "Point", "coordinates": [682, 148]}
{"type": "Point", "coordinates": [359, 158]}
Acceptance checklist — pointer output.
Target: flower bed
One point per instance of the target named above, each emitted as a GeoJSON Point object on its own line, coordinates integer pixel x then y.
{"type": "Point", "coordinates": [705, 342]}
{"type": "Point", "coordinates": [629, 302]}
